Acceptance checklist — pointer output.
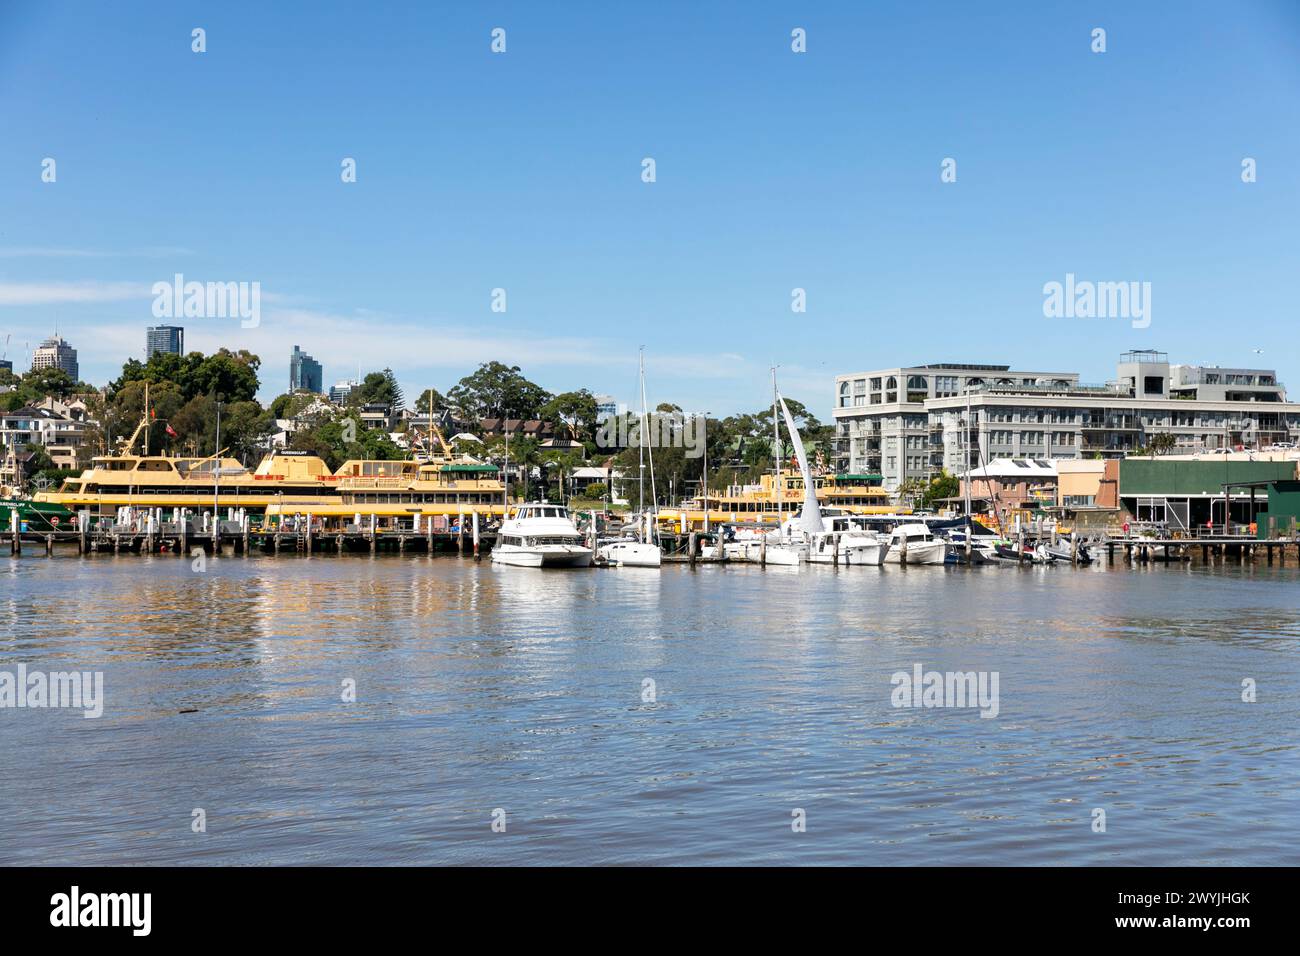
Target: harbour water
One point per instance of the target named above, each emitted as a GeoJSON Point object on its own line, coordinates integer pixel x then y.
{"type": "Point", "coordinates": [481, 688]}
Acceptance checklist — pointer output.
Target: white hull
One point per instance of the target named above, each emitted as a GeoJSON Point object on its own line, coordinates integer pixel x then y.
{"type": "Point", "coordinates": [777, 554]}
{"type": "Point", "coordinates": [919, 552]}
{"type": "Point", "coordinates": [871, 554]}
{"type": "Point", "coordinates": [554, 556]}
{"type": "Point", "coordinates": [630, 554]}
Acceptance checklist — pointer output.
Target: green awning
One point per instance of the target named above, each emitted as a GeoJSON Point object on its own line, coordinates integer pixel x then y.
{"type": "Point", "coordinates": [470, 469]}
{"type": "Point", "coordinates": [869, 479]}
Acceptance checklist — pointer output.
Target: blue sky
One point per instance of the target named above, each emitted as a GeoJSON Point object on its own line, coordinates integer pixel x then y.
{"type": "Point", "coordinates": [775, 170]}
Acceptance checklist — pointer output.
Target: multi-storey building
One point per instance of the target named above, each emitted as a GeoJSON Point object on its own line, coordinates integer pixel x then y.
{"type": "Point", "coordinates": [305, 373]}
{"type": "Point", "coordinates": [163, 339]}
{"type": "Point", "coordinates": [56, 353]}
{"type": "Point", "coordinates": [883, 421]}
{"type": "Point", "coordinates": [955, 417]}
{"type": "Point", "coordinates": [340, 391]}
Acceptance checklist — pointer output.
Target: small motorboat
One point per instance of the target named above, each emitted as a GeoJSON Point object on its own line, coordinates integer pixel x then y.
{"type": "Point", "coordinates": [1063, 551]}
{"type": "Point", "coordinates": [628, 553]}
{"type": "Point", "coordinates": [916, 544]}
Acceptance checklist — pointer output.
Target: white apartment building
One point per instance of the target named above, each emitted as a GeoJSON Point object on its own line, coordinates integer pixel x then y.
{"type": "Point", "coordinates": [953, 416]}
{"type": "Point", "coordinates": [882, 419]}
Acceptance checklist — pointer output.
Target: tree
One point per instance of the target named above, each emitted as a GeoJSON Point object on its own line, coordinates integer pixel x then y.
{"type": "Point", "coordinates": [377, 388]}
{"type": "Point", "coordinates": [422, 403]}
{"type": "Point", "coordinates": [577, 412]}
{"type": "Point", "coordinates": [497, 391]}
{"type": "Point", "coordinates": [233, 374]}
{"type": "Point", "coordinates": [1162, 443]}
{"type": "Point", "coordinates": [561, 464]}
{"type": "Point", "coordinates": [39, 384]}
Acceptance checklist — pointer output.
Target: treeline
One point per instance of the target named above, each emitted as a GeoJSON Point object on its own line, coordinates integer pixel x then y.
{"type": "Point", "coordinates": [186, 391]}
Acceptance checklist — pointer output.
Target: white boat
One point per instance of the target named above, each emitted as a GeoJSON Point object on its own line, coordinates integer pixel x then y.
{"type": "Point", "coordinates": [854, 547]}
{"type": "Point", "coordinates": [541, 535]}
{"type": "Point", "coordinates": [776, 552]}
{"type": "Point", "coordinates": [919, 543]}
{"type": "Point", "coordinates": [850, 536]}
{"type": "Point", "coordinates": [629, 553]}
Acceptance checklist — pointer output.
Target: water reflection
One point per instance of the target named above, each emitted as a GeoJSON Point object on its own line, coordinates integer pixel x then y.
{"type": "Point", "coordinates": [479, 686]}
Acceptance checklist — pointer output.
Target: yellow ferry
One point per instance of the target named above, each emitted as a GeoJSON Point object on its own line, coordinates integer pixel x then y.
{"type": "Point", "coordinates": [284, 483]}
{"type": "Point", "coordinates": [761, 504]}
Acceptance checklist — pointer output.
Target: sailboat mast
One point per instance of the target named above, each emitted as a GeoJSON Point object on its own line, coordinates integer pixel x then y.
{"type": "Point", "coordinates": [645, 414]}
{"type": "Point", "coordinates": [776, 456]}
{"type": "Point", "coordinates": [640, 471]}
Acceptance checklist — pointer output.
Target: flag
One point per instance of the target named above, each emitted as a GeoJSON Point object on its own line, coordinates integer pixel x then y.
{"type": "Point", "coordinates": [171, 432]}
{"type": "Point", "coordinates": [153, 413]}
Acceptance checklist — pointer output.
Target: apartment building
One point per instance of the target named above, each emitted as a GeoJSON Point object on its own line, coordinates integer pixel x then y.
{"type": "Point", "coordinates": [883, 423]}
{"type": "Point", "coordinates": [912, 422]}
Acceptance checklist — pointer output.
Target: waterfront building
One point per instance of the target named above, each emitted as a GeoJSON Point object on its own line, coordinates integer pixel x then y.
{"type": "Point", "coordinates": [305, 373]}
{"type": "Point", "coordinates": [54, 352]}
{"type": "Point", "coordinates": [1183, 493]}
{"type": "Point", "coordinates": [163, 340]}
{"type": "Point", "coordinates": [912, 422]}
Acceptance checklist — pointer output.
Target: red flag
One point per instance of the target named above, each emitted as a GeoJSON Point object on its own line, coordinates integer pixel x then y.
{"type": "Point", "coordinates": [153, 413]}
{"type": "Point", "coordinates": [171, 432]}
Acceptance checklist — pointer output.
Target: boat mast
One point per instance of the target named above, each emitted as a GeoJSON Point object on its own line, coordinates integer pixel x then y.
{"type": "Point", "coordinates": [776, 455]}
{"type": "Point", "coordinates": [965, 434]}
{"type": "Point", "coordinates": [654, 497]}
{"type": "Point", "coordinates": [640, 471]}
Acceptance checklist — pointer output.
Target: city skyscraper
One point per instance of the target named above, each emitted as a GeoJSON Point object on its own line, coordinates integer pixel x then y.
{"type": "Point", "coordinates": [54, 352]}
{"type": "Point", "coordinates": [169, 339]}
{"type": "Point", "coordinates": [305, 373]}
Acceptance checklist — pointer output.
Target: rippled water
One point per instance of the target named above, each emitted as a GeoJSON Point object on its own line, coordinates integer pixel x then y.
{"type": "Point", "coordinates": [481, 688]}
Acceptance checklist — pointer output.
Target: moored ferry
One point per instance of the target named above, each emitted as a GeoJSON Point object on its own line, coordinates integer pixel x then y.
{"type": "Point", "coordinates": [761, 504]}
{"type": "Point", "coordinates": [285, 483]}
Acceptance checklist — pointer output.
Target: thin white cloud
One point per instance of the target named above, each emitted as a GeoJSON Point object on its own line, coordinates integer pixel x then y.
{"type": "Point", "coordinates": [59, 252]}
{"type": "Point", "coordinates": [64, 293]}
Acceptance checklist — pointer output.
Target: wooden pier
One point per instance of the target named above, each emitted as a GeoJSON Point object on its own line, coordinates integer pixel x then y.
{"type": "Point", "coordinates": [171, 541]}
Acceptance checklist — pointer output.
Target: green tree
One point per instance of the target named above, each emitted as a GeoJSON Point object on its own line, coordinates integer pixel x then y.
{"type": "Point", "coordinates": [377, 388]}
{"type": "Point", "coordinates": [577, 412]}
{"type": "Point", "coordinates": [497, 391]}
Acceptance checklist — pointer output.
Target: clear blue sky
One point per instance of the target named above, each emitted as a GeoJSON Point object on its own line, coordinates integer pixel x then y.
{"type": "Point", "coordinates": [775, 171]}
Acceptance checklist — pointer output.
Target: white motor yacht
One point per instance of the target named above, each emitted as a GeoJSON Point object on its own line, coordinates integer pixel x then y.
{"type": "Point", "coordinates": [541, 535]}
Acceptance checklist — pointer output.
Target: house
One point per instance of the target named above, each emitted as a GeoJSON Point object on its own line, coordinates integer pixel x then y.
{"type": "Point", "coordinates": [516, 427]}
{"type": "Point", "coordinates": [50, 425]}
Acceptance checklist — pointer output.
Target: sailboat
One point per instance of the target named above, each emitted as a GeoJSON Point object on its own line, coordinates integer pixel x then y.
{"type": "Point", "coordinates": [636, 551]}
{"type": "Point", "coordinates": [788, 545]}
